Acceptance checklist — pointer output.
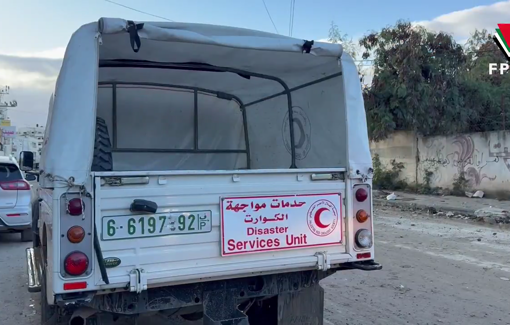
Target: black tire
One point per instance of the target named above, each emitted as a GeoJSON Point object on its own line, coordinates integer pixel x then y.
{"type": "Point", "coordinates": [27, 235]}
{"type": "Point", "coordinates": [49, 315]}
{"type": "Point", "coordinates": [35, 219]}
{"type": "Point", "coordinates": [102, 161]}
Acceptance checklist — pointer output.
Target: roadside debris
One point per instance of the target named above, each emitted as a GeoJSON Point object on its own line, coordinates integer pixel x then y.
{"type": "Point", "coordinates": [493, 215]}
{"type": "Point", "coordinates": [477, 194]}
{"type": "Point", "coordinates": [391, 197]}
{"type": "Point", "coordinates": [465, 210]}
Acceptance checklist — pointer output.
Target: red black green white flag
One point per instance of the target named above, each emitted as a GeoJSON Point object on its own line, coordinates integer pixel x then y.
{"type": "Point", "coordinates": [502, 38]}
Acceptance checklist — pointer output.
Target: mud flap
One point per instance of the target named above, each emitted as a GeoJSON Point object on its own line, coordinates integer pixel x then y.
{"type": "Point", "coordinates": [220, 308]}
{"type": "Point", "coordinates": [304, 307]}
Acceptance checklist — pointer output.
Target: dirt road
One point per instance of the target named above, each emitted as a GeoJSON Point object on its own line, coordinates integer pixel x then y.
{"type": "Point", "coordinates": [435, 272]}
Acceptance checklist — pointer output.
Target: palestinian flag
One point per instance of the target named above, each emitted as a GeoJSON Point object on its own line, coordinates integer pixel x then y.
{"type": "Point", "coordinates": [502, 38]}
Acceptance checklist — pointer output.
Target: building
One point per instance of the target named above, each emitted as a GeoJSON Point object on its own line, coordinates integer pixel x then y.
{"type": "Point", "coordinates": [29, 139]}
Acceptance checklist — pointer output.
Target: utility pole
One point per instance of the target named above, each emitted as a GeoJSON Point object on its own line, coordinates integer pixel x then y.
{"type": "Point", "coordinates": [4, 106]}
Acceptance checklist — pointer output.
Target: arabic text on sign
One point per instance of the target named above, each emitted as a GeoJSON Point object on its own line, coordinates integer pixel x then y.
{"type": "Point", "coordinates": [263, 220]}
{"type": "Point", "coordinates": [275, 204]}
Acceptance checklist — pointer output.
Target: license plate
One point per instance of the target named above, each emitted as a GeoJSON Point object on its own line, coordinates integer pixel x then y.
{"type": "Point", "coordinates": [140, 226]}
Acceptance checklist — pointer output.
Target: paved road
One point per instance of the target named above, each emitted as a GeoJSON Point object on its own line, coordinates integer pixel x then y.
{"type": "Point", "coordinates": [17, 305]}
{"type": "Point", "coordinates": [435, 272]}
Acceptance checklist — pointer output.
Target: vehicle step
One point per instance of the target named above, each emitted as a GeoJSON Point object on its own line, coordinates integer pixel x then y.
{"type": "Point", "coordinates": [33, 270]}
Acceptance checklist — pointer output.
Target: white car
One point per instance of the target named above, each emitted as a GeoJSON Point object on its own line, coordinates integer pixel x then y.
{"type": "Point", "coordinates": [15, 199]}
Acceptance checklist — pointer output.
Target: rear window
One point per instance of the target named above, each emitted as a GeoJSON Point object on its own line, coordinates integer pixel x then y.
{"type": "Point", "coordinates": [9, 172]}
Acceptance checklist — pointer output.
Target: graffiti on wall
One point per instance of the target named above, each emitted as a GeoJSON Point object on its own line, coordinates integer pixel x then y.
{"type": "Point", "coordinates": [465, 158]}
{"type": "Point", "coordinates": [498, 152]}
{"type": "Point", "coordinates": [435, 161]}
{"type": "Point", "coordinates": [469, 160]}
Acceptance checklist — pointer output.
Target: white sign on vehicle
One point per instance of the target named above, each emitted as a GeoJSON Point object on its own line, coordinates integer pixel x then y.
{"type": "Point", "coordinates": [270, 223]}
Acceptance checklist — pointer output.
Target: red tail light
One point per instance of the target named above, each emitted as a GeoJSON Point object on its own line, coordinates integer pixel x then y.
{"type": "Point", "coordinates": [75, 207]}
{"type": "Point", "coordinates": [75, 285]}
{"type": "Point", "coordinates": [363, 255]}
{"type": "Point", "coordinates": [361, 195]}
{"type": "Point", "coordinates": [15, 186]}
{"type": "Point", "coordinates": [76, 263]}
{"type": "Point", "coordinates": [17, 214]}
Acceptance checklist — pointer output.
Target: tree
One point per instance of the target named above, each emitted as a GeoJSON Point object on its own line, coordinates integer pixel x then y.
{"type": "Point", "coordinates": [415, 85]}
{"type": "Point", "coordinates": [335, 36]}
{"type": "Point", "coordinates": [485, 94]}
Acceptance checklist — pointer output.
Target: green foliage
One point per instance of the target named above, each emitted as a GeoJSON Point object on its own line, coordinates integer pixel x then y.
{"type": "Point", "coordinates": [425, 187]}
{"type": "Point", "coordinates": [427, 83]}
{"type": "Point", "coordinates": [387, 179]}
{"type": "Point", "coordinates": [460, 184]}
{"type": "Point", "coordinates": [485, 95]}
{"type": "Point", "coordinates": [335, 36]}
{"type": "Point", "coordinates": [414, 85]}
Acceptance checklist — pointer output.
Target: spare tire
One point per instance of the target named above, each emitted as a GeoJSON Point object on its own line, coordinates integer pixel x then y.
{"type": "Point", "coordinates": [102, 161]}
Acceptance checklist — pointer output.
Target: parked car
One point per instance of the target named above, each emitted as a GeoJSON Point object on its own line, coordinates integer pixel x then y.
{"type": "Point", "coordinates": [15, 199]}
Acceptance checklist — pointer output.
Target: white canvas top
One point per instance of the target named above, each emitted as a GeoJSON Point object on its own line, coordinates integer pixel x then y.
{"type": "Point", "coordinates": [71, 120]}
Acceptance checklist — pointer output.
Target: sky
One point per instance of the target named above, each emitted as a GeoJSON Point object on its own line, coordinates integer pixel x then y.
{"type": "Point", "coordinates": [35, 33]}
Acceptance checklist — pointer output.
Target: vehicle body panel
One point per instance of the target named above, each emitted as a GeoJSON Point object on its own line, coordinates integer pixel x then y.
{"type": "Point", "coordinates": [196, 257]}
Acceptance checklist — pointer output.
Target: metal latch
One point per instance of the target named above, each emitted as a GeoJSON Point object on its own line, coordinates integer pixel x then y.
{"type": "Point", "coordinates": [137, 280]}
{"type": "Point", "coordinates": [322, 261]}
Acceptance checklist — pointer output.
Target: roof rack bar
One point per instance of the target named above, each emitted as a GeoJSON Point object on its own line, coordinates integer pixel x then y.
{"type": "Point", "coordinates": [311, 83]}
{"type": "Point", "coordinates": [218, 94]}
{"type": "Point", "coordinates": [211, 68]}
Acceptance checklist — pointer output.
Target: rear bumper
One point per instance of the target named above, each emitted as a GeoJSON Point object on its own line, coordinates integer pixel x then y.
{"type": "Point", "coordinates": [370, 265]}
{"type": "Point", "coordinates": [19, 218]}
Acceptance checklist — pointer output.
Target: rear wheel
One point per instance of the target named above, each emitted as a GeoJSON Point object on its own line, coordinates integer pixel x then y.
{"type": "Point", "coordinates": [102, 161]}
{"type": "Point", "coordinates": [27, 235]}
{"type": "Point", "coordinates": [48, 312]}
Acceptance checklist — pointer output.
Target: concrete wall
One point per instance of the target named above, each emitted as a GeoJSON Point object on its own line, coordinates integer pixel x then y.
{"type": "Point", "coordinates": [401, 146]}
{"type": "Point", "coordinates": [483, 157]}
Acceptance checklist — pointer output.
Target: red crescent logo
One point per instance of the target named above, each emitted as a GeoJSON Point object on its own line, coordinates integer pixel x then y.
{"type": "Point", "coordinates": [313, 218]}
{"type": "Point", "coordinates": [317, 218]}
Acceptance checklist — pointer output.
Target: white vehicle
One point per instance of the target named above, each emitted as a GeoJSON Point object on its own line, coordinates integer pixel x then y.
{"type": "Point", "coordinates": [173, 181]}
{"type": "Point", "coordinates": [15, 199]}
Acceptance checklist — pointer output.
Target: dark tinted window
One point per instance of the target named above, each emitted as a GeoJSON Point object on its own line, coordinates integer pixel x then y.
{"type": "Point", "coordinates": [9, 172]}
